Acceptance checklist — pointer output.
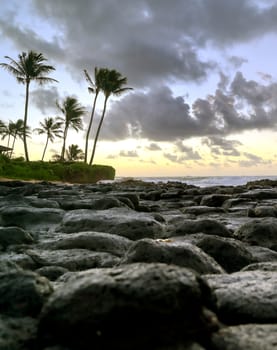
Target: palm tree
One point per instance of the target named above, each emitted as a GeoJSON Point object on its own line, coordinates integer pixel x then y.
{"type": "Point", "coordinates": [73, 112]}
{"type": "Point", "coordinates": [95, 87]}
{"type": "Point", "coordinates": [18, 130]}
{"type": "Point", "coordinates": [51, 128]}
{"type": "Point", "coordinates": [111, 85]}
{"type": "Point", "coordinates": [2, 127]}
{"type": "Point", "coordinates": [74, 153]}
{"type": "Point", "coordinates": [30, 66]}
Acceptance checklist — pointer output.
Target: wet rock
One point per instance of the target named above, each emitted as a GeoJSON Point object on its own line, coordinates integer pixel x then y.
{"type": "Point", "coordinates": [261, 232]}
{"type": "Point", "coordinates": [201, 209]}
{"type": "Point", "coordinates": [262, 254]}
{"type": "Point", "coordinates": [22, 293]}
{"type": "Point", "coordinates": [17, 333]}
{"type": "Point", "coordinates": [214, 200]}
{"type": "Point", "coordinates": [96, 241]}
{"type": "Point", "coordinates": [20, 259]}
{"type": "Point", "coordinates": [207, 226]}
{"type": "Point", "coordinates": [245, 296]}
{"type": "Point", "coordinates": [128, 307]}
{"type": "Point", "coordinates": [230, 253]}
{"type": "Point", "coordinates": [120, 221]}
{"type": "Point", "coordinates": [14, 235]}
{"type": "Point", "coordinates": [263, 211]}
{"type": "Point", "coordinates": [246, 337]}
{"type": "Point", "coordinates": [72, 259]}
{"type": "Point", "coordinates": [52, 272]}
{"type": "Point", "coordinates": [262, 266]}
{"type": "Point", "coordinates": [258, 194]}
{"type": "Point", "coordinates": [169, 252]}
{"type": "Point", "coordinates": [28, 217]}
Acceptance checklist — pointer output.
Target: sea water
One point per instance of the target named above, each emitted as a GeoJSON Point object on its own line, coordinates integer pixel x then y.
{"type": "Point", "coordinates": [204, 181]}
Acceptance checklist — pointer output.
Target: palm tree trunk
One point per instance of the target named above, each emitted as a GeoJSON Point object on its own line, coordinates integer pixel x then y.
{"type": "Point", "coordinates": [43, 154]}
{"type": "Point", "coordinates": [25, 122]}
{"type": "Point", "coordinates": [90, 124]}
{"type": "Point", "coordinates": [64, 139]}
{"type": "Point", "coordinates": [12, 146]}
{"type": "Point", "coordinates": [98, 130]}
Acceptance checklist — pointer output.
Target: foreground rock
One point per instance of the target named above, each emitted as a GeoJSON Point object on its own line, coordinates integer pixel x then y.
{"type": "Point", "coordinates": [245, 297]}
{"type": "Point", "coordinates": [125, 307]}
{"type": "Point", "coordinates": [137, 265]}
{"type": "Point", "coordinates": [246, 337]}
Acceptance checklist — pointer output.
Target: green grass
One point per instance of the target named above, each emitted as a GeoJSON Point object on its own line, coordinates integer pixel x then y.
{"type": "Point", "coordinates": [74, 172]}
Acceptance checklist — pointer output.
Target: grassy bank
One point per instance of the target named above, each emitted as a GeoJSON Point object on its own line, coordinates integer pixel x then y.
{"type": "Point", "coordinates": [74, 172]}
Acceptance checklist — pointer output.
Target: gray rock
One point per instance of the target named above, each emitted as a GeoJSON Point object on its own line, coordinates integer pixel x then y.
{"type": "Point", "coordinates": [51, 272]}
{"type": "Point", "coordinates": [230, 253]}
{"type": "Point", "coordinates": [261, 254]}
{"type": "Point", "coordinates": [14, 235]}
{"type": "Point", "coordinates": [262, 211]}
{"type": "Point", "coordinates": [22, 293]}
{"type": "Point", "coordinates": [214, 200]}
{"type": "Point", "coordinates": [245, 296]}
{"type": "Point", "coordinates": [72, 259]}
{"type": "Point", "coordinates": [97, 241]}
{"type": "Point", "coordinates": [208, 226]}
{"type": "Point", "coordinates": [202, 210]}
{"type": "Point", "coordinates": [120, 221]}
{"type": "Point", "coordinates": [20, 259]}
{"type": "Point", "coordinates": [261, 232]}
{"type": "Point", "coordinates": [262, 266]}
{"type": "Point", "coordinates": [17, 333]}
{"type": "Point", "coordinates": [169, 252]}
{"type": "Point", "coordinates": [263, 193]}
{"type": "Point", "coordinates": [128, 307]}
{"type": "Point", "coordinates": [246, 337]}
{"type": "Point", "coordinates": [29, 217]}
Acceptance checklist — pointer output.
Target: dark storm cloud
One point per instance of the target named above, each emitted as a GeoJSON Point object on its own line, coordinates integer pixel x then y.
{"type": "Point", "coordinates": [148, 41]}
{"type": "Point", "coordinates": [160, 116]}
{"type": "Point", "coordinates": [154, 44]}
{"type": "Point", "coordinates": [26, 39]}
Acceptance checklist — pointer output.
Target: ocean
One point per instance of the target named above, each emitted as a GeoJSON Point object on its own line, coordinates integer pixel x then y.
{"type": "Point", "coordinates": [203, 181]}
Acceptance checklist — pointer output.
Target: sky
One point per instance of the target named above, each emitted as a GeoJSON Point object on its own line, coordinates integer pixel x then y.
{"type": "Point", "coordinates": [203, 73]}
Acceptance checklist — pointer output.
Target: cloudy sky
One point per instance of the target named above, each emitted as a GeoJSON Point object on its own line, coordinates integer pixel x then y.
{"type": "Point", "coordinates": [203, 73]}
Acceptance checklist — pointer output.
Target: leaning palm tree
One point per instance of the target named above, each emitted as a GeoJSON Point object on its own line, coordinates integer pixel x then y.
{"type": "Point", "coordinates": [74, 153]}
{"type": "Point", "coordinates": [94, 87]}
{"type": "Point", "coordinates": [18, 130]}
{"type": "Point", "coordinates": [73, 112]}
{"type": "Point", "coordinates": [2, 127]}
{"type": "Point", "coordinates": [29, 67]}
{"type": "Point", "coordinates": [112, 84]}
{"type": "Point", "coordinates": [51, 128]}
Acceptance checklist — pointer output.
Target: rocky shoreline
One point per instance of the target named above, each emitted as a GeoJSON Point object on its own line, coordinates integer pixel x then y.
{"type": "Point", "coordinates": [136, 265]}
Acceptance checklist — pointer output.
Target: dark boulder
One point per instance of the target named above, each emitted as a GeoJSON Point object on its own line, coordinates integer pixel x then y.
{"type": "Point", "coordinates": [133, 306]}
{"type": "Point", "coordinates": [22, 293]}
{"type": "Point", "coordinates": [169, 252]}
{"type": "Point", "coordinates": [261, 232]}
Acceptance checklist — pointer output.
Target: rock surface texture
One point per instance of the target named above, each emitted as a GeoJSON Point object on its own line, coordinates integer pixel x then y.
{"type": "Point", "coordinates": [134, 265]}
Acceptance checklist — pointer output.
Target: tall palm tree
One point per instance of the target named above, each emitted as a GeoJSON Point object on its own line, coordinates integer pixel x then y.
{"type": "Point", "coordinates": [29, 67]}
{"type": "Point", "coordinates": [73, 112]}
{"type": "Point", "coordinates": [51, 128]}
{"type": "Point", "coordinates": [94, 87]}
{"type": "Point", "coordinates": [74, 153]}
{"type": "Point", "coordinates": [112, 84]}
